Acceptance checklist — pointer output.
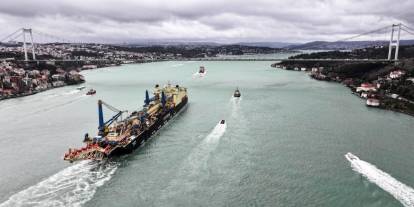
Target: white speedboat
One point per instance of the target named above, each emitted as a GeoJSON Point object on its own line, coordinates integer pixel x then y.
{"type": "Point", "coordinates": [81, 88]}
{"type": "Point", "coordinates": [351, 157]}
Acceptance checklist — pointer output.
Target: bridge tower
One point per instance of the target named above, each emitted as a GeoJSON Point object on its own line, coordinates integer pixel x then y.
{"type": "Point", "coordinates": [394, 43]}
{"type": "Point", "coordinates": [24, 32]}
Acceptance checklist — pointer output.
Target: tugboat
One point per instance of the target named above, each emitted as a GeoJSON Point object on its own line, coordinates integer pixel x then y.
{"type": "Point", "coordinates": [117, 136]}
{"type": "Point", "coordinates": [91, 92]}
{"type": "Point", "coordinates": [202, 71]}
{"type": "Point", "coordinates": [237, 93]}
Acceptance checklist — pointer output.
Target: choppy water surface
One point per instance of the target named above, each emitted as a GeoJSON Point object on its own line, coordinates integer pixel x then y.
{"type": "Point", "coordinates": [283, 143]}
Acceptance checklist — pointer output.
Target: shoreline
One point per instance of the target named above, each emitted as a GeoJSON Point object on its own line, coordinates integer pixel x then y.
{"type": "Point", "coordinates": [33, 92]}
{"type": "Point", "coordinates": [21, 95]}
{"type": "Point", "coordinates": [352, 89]}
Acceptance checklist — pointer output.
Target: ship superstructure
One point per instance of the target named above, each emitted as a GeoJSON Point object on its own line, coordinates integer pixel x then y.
{"type": "Point", "coordinates": [119, 136]}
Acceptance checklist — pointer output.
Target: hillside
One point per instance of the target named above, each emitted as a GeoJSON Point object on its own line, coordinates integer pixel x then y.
{"type": "Point", "coordinates": [393, 93]}
{"type": "Point", "coordinates": [343, 45]}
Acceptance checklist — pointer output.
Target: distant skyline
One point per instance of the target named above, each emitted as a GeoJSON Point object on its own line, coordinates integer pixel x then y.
{"type": "Point", "coordinates": [230, 21]}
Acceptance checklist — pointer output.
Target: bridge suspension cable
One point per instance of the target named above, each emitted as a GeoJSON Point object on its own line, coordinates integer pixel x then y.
{"type": "Point", "coordinates": [365, 33]}
{"type": "Point", "coordinates": [8, 37]}
{"type": "Point", "coordinates": [407, 29]}
{"type": "Point", "coordinates": [22, 33]}
{"type": "Point", "coordinates": [377, 31]}
{"type": "Point", "coordinates": [54, 37]}
{"type": "Point", "coordinates": [412, 33]}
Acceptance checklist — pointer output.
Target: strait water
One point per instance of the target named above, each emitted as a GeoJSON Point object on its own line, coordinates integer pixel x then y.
{"type": "Point", "coordinates": [283, 144]}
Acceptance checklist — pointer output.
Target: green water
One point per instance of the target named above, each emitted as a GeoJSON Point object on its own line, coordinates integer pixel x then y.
{"type": "Point", "coordinates": [284, 144]}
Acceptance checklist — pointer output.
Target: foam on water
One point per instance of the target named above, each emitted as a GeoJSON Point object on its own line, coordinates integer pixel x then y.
{"type": "Point", "coordinates": [177, 65]}
{"type": "Point", "coordinates": [72, 186]}
{"type": "Point", "coordinates": [72, 92]}
{"type": "Point", "coordinates": [215, 135]}
{"type": "Point", "coordinates": [60, 104]}
{"type": "Point", "coordinates": [199, 75]}
{"type": "Point", "coordinates": [235, 106]}
{"type": "Point", "coordinates": [400, 191]}
{"type": "Point", "coordinates": [190, 172]}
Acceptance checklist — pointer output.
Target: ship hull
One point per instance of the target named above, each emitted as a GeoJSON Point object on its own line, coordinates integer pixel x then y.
{"type": "Point", "coordinates": [162, 119]}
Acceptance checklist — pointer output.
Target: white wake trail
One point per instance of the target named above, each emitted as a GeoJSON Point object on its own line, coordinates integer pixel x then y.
{"type": "Point", "coordinates": [235, 106]}
{"type": "Point", "coordinates": [400, 191]}
{"type": "Point", "coordinates": [72, 92]}
{"type": "Point", "coordinates": [73, 186]}
{"type": "Point", "coordinates": [191, 172]}
{"type": "Point", "coordinates": [215, 135]}
{"type": "Point", "coordinates": [177, 65]}
{"type": "Point", "coordinates": [199, 75]}
{"type": "Point", "coordinates": [201, 153]}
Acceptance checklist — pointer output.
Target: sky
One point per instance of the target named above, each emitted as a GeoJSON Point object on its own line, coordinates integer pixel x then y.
{"type": "Point", "coordinates": [224, 21]}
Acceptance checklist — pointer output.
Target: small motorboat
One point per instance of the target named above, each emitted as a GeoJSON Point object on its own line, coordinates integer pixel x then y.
{"type": "Point", "coordinates": [91, 92]}
{"type": "Point", "coordinates": [81, 88]}
{"type": "Point", "coordinates": [237, 93]}
{"type": "Point", "coordinates": [202, 70]}
{"type": "Point", "coordinates": [200, 73]}
{"type": "Point", "coordinates": [222, 121]}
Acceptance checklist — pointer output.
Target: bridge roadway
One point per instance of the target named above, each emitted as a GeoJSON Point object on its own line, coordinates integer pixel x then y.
{"type": "Point", "coordinates": [284, 59]}
{"type": "Point", "coordinates": [217, 59]}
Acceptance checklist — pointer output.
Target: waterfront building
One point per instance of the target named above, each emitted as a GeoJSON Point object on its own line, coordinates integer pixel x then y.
{"type": "Point", "coordinates": [367, 87]}
{"type": "Point", "coordinates": [396, 74]}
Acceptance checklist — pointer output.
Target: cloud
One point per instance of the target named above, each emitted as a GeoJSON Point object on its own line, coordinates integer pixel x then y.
{"type": "Point", "coordinates": [213, 20]}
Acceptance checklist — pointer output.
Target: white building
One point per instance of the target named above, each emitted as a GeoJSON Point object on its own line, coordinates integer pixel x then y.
{"type": "Point", "coordinates": [396, 74]}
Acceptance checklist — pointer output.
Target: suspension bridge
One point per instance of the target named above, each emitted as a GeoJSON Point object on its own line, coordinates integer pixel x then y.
{"type": "Point", "coordinates": [25, 38]}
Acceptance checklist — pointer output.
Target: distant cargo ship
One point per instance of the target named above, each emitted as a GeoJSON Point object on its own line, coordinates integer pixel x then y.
{"type": "Point", "coordinates": [117, 137]}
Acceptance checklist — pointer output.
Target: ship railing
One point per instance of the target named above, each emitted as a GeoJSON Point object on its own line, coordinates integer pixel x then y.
{"type": "Point", "coordinates": [87, 152]}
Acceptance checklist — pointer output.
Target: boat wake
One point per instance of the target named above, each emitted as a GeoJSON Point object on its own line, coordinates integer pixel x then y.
{"type": "Point", "coordinates": [199, 156]}
{"type": "Point", "coordinates": [72, 186]}
{"type": "Point", "coordinates": [61, 104]}
{"type": "Point", "coordinates": [235, 103]}
{"type": "Point", "coordinates": [235, 100]}
{"type": "Point", "coordinates": [236, 112]}
{"type": "Point", "coordinates": [400, 191]}
{"type": "Point", "coordinates": [177, 65]}
{"type": "Point", "coordinates": [72, 92]}
{"type": "Point", "coordinates": [199, 75]}
{"type": "Point", "coordinates": [191, 172]}
{"type": "Point", "coordinates": [216, 134]}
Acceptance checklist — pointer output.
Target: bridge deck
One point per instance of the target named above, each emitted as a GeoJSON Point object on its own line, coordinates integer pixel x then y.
{"type": "Point", "coordinates": [220, 59]}
{"type": "Point", "coordinates": [284, 59]}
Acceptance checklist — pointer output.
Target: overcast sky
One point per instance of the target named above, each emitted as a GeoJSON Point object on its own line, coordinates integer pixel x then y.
{"type": "Point", "coordinates": [204, 20]}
